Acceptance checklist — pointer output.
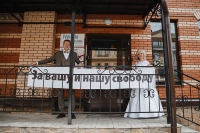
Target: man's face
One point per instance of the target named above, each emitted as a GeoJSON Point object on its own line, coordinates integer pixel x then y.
{"type": "Point", "coordinates": [66, 45]}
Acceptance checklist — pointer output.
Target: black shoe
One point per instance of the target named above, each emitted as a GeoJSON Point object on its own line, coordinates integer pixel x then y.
{"type": "Point", "coordinates": [73, 116]}
{"type": "Point", "coordinates": [61, 115]}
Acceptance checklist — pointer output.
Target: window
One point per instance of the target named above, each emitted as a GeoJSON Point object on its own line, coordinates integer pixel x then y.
{"type": "Point", "coordinates": [157, 47]}
{"type": "Point", "coordinates": [156, 56]}
{"type": "Point", "coordinates": [98, 52]}
{"type": "Point", "coordinates": [107, 48]}
{"type": "Point", "coordinates": [115, 52]}
{"type": "Point", "coordinates": [199, 26]}
{"type": "Point", "coordinates": [98, 66]}
{"type": "Point", "coordinates": [106, 52]}
{"type": "Point", "coordinates": [157, 44]}
{"type": "Point", "coordinates": [106, 66]}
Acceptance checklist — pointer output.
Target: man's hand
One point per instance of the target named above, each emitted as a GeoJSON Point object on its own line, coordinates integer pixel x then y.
{"type": "Point", "coordinates": [80, 65]}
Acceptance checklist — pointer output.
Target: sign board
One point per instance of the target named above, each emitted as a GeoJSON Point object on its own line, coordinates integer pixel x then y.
{"type": "Point", "coordinates": [57, 77]}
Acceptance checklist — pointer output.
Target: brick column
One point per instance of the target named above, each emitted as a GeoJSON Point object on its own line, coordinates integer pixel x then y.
{"type": "Point", "coordinates": [37, 41]}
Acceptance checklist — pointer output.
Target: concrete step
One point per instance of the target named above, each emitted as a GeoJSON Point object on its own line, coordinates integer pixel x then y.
{"type": "Point", "coordinates": [85, 123]}
{"type": "Point", "coordinates": [185, 129]}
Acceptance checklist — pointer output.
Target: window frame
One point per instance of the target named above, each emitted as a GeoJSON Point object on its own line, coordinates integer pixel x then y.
{"type": "Point", "coordinates": [177, 59]}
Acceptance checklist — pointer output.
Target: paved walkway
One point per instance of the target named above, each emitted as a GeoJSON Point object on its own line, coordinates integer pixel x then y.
{"type": "Point", "coordinates": [82, 121]}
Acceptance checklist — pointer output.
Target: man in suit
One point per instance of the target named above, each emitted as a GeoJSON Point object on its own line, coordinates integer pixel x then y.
{"type": "Point", "coordinates": [62, 59]}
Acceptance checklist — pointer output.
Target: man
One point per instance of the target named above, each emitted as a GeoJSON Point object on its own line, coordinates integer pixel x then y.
{"type": "Point", "coordinates": [62, 59]}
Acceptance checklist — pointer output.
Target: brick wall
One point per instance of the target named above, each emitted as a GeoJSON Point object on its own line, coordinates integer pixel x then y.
{"type": "Point", "coordinates": [10, 40]}
{"type": "Point", "coordinates": [188, 34]}
{"type": "Point", "coordinates": [37, 41]}
{"type": "Point", "coordinates": [140, 38]}
{"type": "Point", "coordinates": [188, 39]}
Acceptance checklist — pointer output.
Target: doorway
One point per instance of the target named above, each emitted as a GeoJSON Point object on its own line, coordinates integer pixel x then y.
{"type": "Point", "coordinates": [107, 51]}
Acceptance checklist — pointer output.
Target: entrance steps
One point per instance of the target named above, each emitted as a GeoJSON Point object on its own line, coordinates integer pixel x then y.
{"type": "Point", "coordinates": [84, 123]}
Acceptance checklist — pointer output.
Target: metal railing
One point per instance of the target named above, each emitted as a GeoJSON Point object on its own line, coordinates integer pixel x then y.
{"type": "Point", "coordinates": [188, 98]}
{"type": "Point", "coordinates": [15, 95]}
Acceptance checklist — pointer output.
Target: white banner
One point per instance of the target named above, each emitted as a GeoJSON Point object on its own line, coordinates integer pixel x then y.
{"type": "Point", "coordinates": [56, 77]}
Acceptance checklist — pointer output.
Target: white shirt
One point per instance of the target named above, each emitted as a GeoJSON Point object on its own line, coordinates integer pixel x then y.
{"type": "Point", "coordinates": [66, 54]}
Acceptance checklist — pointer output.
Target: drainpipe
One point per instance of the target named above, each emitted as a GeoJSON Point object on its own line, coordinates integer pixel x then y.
{"type": "Point", "coordinates": [71, 66]}
{"type": "Point", "coordinates": [171, 69]}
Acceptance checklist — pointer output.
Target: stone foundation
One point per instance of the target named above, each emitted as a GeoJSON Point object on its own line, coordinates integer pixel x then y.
{"type": "Point", "coordinates": [83, 130]}
{"type": "Point", "coordinates": [188, 114]}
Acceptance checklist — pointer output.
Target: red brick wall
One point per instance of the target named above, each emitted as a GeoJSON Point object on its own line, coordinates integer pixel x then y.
{"type": "Point", "coordinates": [7, 88]}
{"type": "Point", "coordinates": [10, 43]}
{"type": "Point", "coordinates": [10, 28]}
{"type": "Point", "coordinates": [37, 42]}
{"type": "Point", "coordinates": [9, 57]}
{"type": "Point", "coordinates": [10, 40]}
{"type": "Point", "coordinates": [192, 4]}
{"type": "Point", "coordinates": [190, 92]}
{"type": "Point", "coordinates": [188, 39]}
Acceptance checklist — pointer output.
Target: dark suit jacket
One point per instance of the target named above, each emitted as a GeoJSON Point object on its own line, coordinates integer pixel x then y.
{"type": "Point", "coordinates": [60, 60]}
